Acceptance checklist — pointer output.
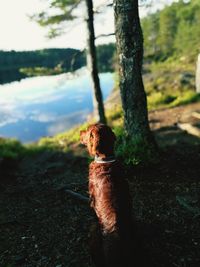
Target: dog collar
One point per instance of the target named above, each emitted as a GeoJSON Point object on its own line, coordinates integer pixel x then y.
{"type": "Point", "coordinates": [104, 160]}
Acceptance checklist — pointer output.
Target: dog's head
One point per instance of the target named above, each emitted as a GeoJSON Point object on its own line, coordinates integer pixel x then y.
{"type": "Point", "coordinates": [99, 140]}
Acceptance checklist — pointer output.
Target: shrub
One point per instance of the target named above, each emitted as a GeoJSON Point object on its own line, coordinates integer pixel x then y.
{"type": "Point", "coordinates": [11, 148]}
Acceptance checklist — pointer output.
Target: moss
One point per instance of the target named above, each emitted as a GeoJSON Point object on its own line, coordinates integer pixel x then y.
{"type": "Point", "coordinates": [136, 151]}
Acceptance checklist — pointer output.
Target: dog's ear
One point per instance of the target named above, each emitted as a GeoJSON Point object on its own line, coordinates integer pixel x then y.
{"type": "Point", "coordinates": [90, 139]}
{"type": "Point", "coordinates": [93, 143]}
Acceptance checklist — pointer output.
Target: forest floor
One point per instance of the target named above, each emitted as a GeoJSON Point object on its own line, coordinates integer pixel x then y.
{"type": "Point", "coordinates": [41, 225]}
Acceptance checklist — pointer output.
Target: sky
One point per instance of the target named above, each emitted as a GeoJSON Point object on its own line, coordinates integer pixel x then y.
{"type": "Point", "coordinates": [18, 32]}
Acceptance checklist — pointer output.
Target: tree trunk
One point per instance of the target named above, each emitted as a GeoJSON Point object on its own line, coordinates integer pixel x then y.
{"type": "Point", "coordinates": [129, 41]}
{"type": "Point", "coordinates": [197, 81]}
{"type": "Point", "coordinates": [92, 64]}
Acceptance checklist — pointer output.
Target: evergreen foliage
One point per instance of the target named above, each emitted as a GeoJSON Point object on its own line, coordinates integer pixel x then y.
{"type": "Point", "coordinates": [58, 60]}
{"type": "Point", "coordinates": [15, 65]}
{"type": "Point", "coordinates": [173, 31]}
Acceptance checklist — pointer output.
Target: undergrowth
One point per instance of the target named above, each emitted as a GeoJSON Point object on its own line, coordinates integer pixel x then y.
{"type": "Point", "coordinates": [13, 149]}
{"type": "Point", "coordinates": [168, 84]}
{"type": "Point", "coordinates": [164, 100]}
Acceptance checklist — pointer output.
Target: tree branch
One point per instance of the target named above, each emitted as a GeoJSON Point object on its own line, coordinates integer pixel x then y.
{"type": "Point", "coordinates": [77, 196]}
{"type": "Point", "coordinates": [99, 9]}
{"type": "Point", "coordinates": [104, 35]}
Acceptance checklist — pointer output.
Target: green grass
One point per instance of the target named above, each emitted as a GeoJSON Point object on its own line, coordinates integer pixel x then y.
{"type": "Point", "coordinates": [62, 141]}
{"type": "Point", "coordinates": [185, 98]}
{"type": "Point", "coordinates": [13, 149]}
{"type": "Point", "coordinates": [168, 84]}
{"type": "Point", "coordinates": [131, 152]}
{"type": "Point", "coordinates": [163, 100]}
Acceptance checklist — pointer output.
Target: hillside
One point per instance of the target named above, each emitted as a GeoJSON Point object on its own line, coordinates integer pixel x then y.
{"type": "Point", "coordinates": [173, 31]}
{"type": "Point", "coordinates": [171, 48]}
{"type": "Point", "coordinates": [42, 225]}
{"type": "Point", "coordinates": [17, 65]}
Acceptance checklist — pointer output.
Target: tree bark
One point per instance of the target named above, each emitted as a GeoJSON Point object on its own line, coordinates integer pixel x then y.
{"type": "Point", "coordinates": [197, 80]}
{"type": "Point", "coordinates": [129, 41]}
{"type": "Point", "coordinates": [92, 64]}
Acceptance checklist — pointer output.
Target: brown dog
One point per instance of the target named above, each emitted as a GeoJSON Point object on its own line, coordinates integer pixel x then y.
{"type": "Point", "coordinates": [110, 199]}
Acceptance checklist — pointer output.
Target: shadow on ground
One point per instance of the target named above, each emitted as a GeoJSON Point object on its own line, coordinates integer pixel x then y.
{"type": "Point", "coordinates": [43, 226]}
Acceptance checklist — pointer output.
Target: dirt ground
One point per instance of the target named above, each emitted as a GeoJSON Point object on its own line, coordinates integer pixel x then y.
{"type": "Point", "coordinates": [41, 225]}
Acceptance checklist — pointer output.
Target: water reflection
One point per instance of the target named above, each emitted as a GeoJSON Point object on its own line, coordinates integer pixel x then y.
{"type": "Point", "coordinates": [41, 106]}
{"type": "Point", "coordinates": [7, 76]}
{"type": "Point", "coordinates": [66, 121]}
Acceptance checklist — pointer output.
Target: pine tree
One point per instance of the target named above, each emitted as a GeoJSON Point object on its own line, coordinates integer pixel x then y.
{"type": "Point", "coordinates": [129, 41]}
{"type": "Point", "coordinates": [65, 13]}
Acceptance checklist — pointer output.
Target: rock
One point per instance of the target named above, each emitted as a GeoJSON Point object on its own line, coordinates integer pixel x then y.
{"type": "Point", "coordinates": [186, 78]}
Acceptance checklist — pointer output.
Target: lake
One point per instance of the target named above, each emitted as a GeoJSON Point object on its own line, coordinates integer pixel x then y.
{"type": "Point", "coordinates": [44, 106]}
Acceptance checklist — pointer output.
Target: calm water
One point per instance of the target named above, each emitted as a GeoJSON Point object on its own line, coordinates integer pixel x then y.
{"type": "Point", "coordinates": [44, 106]}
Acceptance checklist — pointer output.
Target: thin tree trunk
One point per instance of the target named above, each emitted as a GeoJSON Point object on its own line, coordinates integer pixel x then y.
{"type": "Point", "coordinates": [198, 75]}
{"type": "Point", "coordinates": [92, 64]}
{"type": "Point", "coordinates": [129, 41]}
